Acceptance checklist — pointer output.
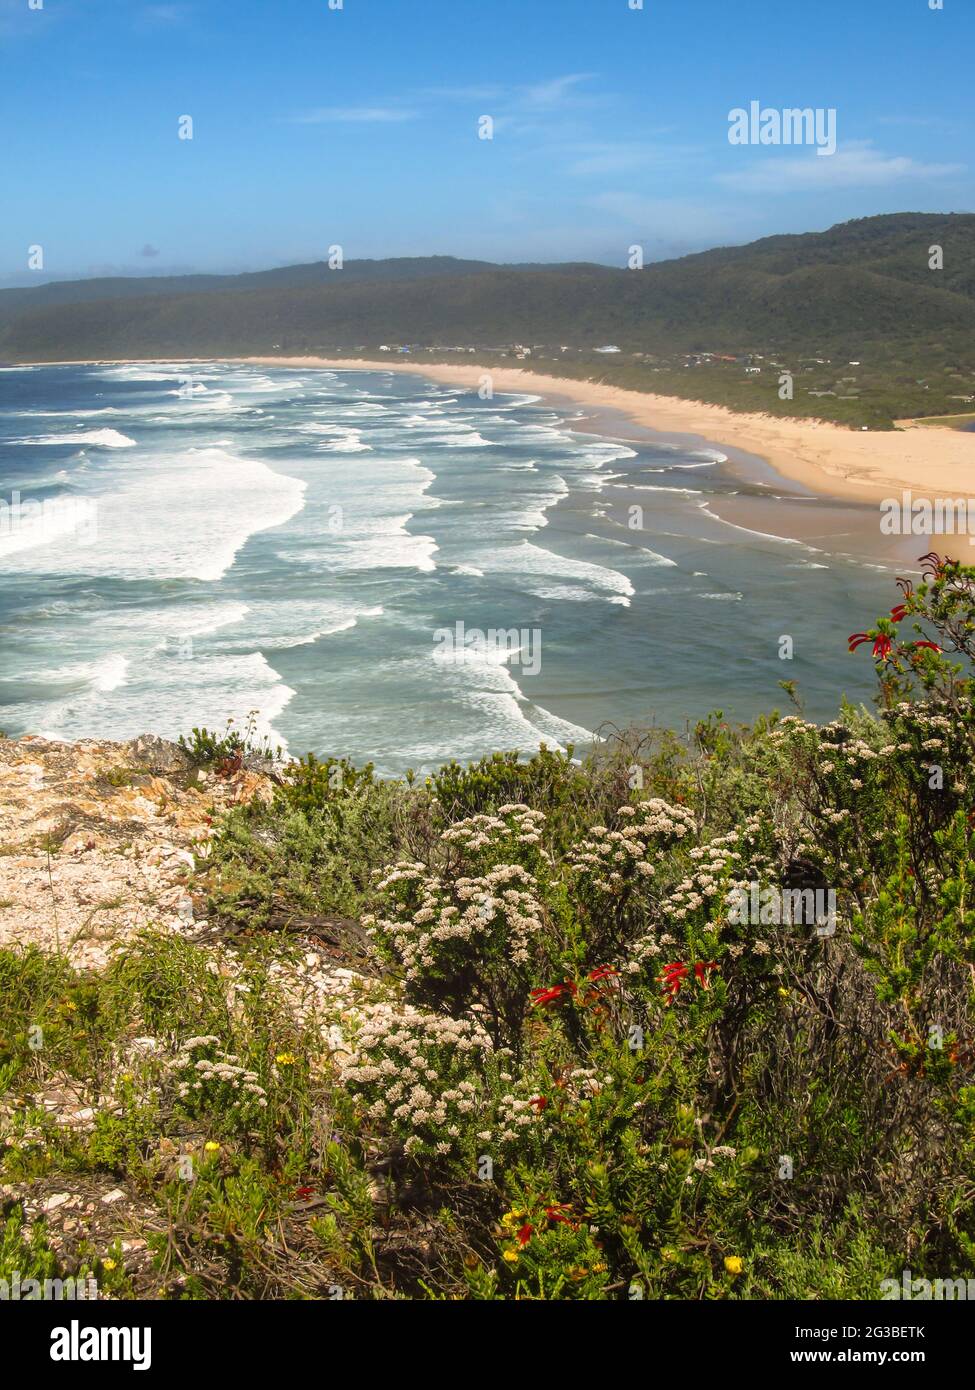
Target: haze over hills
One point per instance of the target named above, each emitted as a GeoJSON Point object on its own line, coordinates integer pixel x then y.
{"type": "Point", "coordinates": [861, 290]}
{"type": "Point", "coordinates": [290, 276]}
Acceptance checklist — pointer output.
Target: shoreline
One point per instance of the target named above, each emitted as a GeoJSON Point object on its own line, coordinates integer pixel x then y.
{"type": "Point", "coordinates": [848, 465]}
{"type": "Point", "coordinates": [756, 502]}
{"type": "Point", "coordinates": [827, 459]}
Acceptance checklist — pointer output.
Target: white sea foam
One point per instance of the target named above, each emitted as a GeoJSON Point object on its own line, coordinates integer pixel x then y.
{"type": "Point", "coordinates": [710, 455]}
{"type": "Point", "coordinates": [481, 681]}
{"type": "Point", "coordinates": [302, 622]}
{"type": "Point", "coordinates": [67, 414]}
{"type": "Point", "coordinates": [657, 487]}
{"type": "Point", "coordinates": [175, 516]}
{"type": "Point", "coordinates": [340, 439]}
{"type": "Point", "coordinates": [469, 439]}
{"type": "Point", "coordinates": [111, 673]}
{"type": "Point", "coordinates": [158, 696]}
{"type": "Point", "coordinates": [536, 565]}
{"type": "Point", "coordinates": [763, 535]}
{"type": "Point", "coordinates": [102, 439]}
{"type": "Point", "coordinates": [637, 551]}
{"type": "Point", "coordinates": [133, 372]}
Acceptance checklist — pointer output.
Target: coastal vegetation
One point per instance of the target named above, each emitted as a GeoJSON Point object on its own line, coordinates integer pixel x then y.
{"type": "Point", "coordinates": [564, 1058]}
{"type": "Point", "coordinates": [868, 330]}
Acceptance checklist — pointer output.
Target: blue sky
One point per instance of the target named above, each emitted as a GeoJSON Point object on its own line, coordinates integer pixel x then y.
{"type": "Point", "coordinates": [358, 127]}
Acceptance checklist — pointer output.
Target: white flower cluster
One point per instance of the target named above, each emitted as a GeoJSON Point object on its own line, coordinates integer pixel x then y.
{"type": "Point", "coordinates": [704, 1163]}
{"type": "Point", "coordinates": [915, 729]}
{"type": "Point", "coordinates": [790, 727]}
{"type": "Point", "coordinates": [706, 893]}
{"type": "Point", "coordinates": [514, 823]}
{"type": "Point", "coordinates": [516, 1115]}
{"type": "Point", "coordinates": [421, 1075]}
{"type": "Point", "coordinates": [437, 922]}
{"type": "Point", "coordinates": [204, 1074]}
{"type": "Point", "coordinates": [607, 859]}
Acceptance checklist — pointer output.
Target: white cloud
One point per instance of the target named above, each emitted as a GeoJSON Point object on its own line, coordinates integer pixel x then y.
{"type": "Point", "coordinates": [555, 92]}
{"type": "Point", "coordinates": [485, 91]}
{"type": "Point", "coordinates": [671, 225]}
{"type": "Point", "coordinates": [550, 94]}
{"type": "Point", "coordinates": [621, 157]}
{"type": "Point", "coordinates": [364, 115]}
{"type": "Point", "coordinates": [854, 165]}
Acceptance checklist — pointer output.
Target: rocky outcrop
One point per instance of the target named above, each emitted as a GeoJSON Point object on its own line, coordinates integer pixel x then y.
{"type": "Point", "coordinates": [98, 840]}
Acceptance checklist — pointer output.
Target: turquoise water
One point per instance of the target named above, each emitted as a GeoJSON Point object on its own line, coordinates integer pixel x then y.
{"type": "Point", "coordinates": [225, 538]}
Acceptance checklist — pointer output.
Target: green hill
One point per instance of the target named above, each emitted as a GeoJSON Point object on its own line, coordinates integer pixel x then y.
{"type": "Point", "coordinates": [862, 291]}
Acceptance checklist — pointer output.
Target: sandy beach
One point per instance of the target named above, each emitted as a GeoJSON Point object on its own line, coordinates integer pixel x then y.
{"type": "Point", "coordinates": [863, 466]}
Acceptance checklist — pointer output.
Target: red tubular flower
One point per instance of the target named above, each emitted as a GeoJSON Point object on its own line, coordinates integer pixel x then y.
{"type": "Point", "coordinates": [881, 644]}
{"type": "Point", "coordinates": [303, 1193]}
{"type": "Point", "coordinates": [934, 565]}
{"type": "Point", "coordinates": [545, 996]}
{"type": "Point", "coordinates": [525, 1234]}
{"type": "Point", "coordinates": [701, 968]}
{"type": "Point", "coordinates": [899, 612]}
{"type": "Point", "coordinates": [553, 992]}
{"type": "Point", "coordinates": [557, 1213]}
{"type": "Point", "coordinates": [673, 977]}
{"type": "Point", "coordinates": [539, 1102]}
{"type": "Point", "coordinates": [930, 646]}
{"type": "Point", "coordinates": [602, 973]}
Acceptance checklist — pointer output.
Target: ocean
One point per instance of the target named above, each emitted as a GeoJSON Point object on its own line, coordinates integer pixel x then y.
{"type": "Point", "coordinates": [386, 568]}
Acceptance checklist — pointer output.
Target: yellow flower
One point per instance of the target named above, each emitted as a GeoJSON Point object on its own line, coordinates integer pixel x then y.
{"type": "Point", "coordinates": [733, 1264]}
{"type": "Point", "coordinates": [69, 1007]}
{"type": "Point", "coordinates": [512, 1220]}
{"type": "Point", "coordinates": [108, 1264]}
{"type": "Point", "coordinates": [511, 1256]}
{"type": "Point", "coordinates": [211, 1147]}
{"type": "Point", "coordinates": [285, 1059]}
